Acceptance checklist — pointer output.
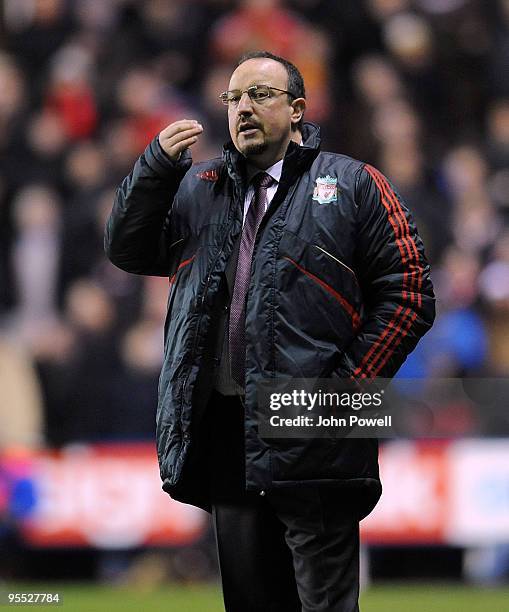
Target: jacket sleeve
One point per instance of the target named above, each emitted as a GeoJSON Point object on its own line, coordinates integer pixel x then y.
{"type": "Point", "coordinates": [140, 228]}
{"type": "Point", "coordinates": [394, 277]}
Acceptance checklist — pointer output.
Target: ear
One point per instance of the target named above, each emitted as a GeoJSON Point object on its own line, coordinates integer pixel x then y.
{"type": "Point", "coordinates": [298, 107]}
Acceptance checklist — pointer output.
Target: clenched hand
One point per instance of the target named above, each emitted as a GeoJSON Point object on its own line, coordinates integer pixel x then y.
{"type": "Point", "coordinates": [178, 136]}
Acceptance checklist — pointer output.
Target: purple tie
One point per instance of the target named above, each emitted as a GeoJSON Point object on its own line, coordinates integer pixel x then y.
{"type": "Point", "coordinates": [236, 329]}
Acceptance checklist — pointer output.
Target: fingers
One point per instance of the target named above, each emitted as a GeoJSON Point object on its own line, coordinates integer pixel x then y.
{"type": "Point", "coordinates": [183, 144]}
{"type": "Point", "coordinates": [178, 136]}
{"type": "Point", "coordinates": [179, 126]}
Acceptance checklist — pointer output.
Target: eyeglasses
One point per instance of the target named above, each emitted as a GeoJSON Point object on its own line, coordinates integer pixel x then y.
{"type": "Point", "coordinates": [256, 93]}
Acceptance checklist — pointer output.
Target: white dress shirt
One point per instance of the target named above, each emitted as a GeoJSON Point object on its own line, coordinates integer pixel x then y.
{"type": "Point", "coordinates": [275, 173]}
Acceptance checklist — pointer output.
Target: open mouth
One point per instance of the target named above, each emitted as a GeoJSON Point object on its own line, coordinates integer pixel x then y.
{"type": "Point", "coordinates": [248, 129]}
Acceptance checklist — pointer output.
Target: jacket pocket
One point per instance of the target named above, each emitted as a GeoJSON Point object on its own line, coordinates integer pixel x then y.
{"type": "Point", "coordinates": [175, 280]}
{"type": "Point", "coordinates": [342, 301]}
{"type": "Point", "coordinates": [328, 282]}
{"type": "Point", "coordinates": [338, 261]}
{"type": "Point", "coordinates": [182, 264]}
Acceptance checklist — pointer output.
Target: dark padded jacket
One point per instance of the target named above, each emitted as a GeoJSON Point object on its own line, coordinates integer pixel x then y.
{"type": "Point", "coordinates": [339, 287]}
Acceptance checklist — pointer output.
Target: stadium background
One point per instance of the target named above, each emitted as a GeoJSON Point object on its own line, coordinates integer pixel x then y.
{"type": "Point", "coordinates": [418, 88]}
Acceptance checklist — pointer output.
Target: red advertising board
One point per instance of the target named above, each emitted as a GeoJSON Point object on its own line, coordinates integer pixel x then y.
{"type": "Point", "coordinates": [99, 495]}
{"type": "Point", "coordinates": [414, 503]}
{"type": "Point", "coordinates": [110, 496]}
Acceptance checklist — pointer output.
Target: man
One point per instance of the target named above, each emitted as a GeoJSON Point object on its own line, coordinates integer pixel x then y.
{"type": "Point", "coordinates": [283, 261]}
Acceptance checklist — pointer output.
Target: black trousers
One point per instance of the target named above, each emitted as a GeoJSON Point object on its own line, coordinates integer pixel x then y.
{"type": "Point", "coordinates": [291, 550]}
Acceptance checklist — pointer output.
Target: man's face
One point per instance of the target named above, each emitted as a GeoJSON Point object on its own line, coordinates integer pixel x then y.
{"type": "Point", "coordinates": [262, 130]}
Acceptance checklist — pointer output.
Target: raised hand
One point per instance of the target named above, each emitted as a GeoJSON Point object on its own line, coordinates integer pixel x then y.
{"type": "Point", "coordinates": [179, 136]}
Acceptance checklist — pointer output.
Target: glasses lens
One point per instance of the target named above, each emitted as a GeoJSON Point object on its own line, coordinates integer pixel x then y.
{"type": "Point", "coordinates": [258, 92]}
{"type": "Point", "coordinates": [225, 97]}
{"type": "Point", "coordinates": [232, 97]}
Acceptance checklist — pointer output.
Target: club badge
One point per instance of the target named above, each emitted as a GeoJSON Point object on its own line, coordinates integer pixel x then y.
{"type": "Point", "coordinates": [326, 190]}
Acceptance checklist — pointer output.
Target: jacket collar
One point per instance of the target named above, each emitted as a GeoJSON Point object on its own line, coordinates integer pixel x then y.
{"type": "Point", "coordinates": [297, 157]}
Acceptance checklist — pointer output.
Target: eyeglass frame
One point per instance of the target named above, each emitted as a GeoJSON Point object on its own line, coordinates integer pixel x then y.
{"type": "Point", "coordinates": [252, 88]}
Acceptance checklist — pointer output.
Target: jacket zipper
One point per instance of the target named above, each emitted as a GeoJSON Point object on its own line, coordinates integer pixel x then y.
{"type": "Point", "coordinates": [265, 219]}
{"type": "Point", "coordinates": [336, 259]}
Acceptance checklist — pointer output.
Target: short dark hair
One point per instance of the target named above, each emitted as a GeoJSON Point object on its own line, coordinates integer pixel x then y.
{"type": "Point", "coordinates": [295, 81]}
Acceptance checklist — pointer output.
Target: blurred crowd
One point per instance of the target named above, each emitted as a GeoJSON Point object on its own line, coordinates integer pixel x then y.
{"type": "Point", "coordinates": [418, 88]}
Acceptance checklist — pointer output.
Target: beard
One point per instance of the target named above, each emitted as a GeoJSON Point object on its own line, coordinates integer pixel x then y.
{"type": "Point", "coordinates": [251, 150]}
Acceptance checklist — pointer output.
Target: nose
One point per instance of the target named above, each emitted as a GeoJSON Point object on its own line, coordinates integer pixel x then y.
{"type": "Point", "coordinates": [245, 105]}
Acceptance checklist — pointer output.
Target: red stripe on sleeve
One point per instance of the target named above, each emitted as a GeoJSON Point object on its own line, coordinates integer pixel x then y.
{"type": "Point", "coordinates": [403, 317]}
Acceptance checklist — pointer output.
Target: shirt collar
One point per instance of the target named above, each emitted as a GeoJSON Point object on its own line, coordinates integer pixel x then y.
{"type": "Point", "coordinates": [274, 171]}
